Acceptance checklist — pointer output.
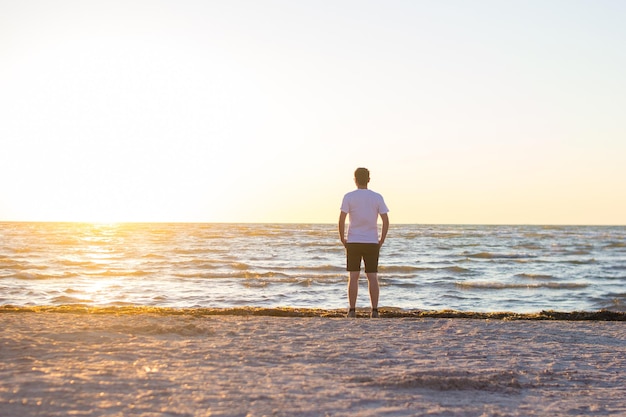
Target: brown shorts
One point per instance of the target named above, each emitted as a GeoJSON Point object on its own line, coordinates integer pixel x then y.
{"type": "Point", "coordinates": [366, 251]}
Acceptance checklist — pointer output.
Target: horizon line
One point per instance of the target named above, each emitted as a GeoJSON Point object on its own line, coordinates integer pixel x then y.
{"type": "Point", "coordinates": [309, 222]}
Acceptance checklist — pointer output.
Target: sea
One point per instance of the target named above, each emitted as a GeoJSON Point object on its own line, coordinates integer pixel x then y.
{"type": "Point", "coordinates": [471, 268]}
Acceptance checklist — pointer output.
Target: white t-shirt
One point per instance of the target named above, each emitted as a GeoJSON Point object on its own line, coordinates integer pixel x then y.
{"type": "Point", "coordinates": [363, 207]}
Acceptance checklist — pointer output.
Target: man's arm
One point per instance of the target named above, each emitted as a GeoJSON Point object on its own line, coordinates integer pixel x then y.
{"type": "Point", "coordinates": [383, 234]}
{"type": "Point", "coordinates": [342, 227]}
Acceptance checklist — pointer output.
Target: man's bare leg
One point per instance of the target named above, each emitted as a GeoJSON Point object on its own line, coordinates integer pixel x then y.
{"type": "Point", "coordinates": [353, 291]}
{"type": "Point", "coordinates": [374, 289]}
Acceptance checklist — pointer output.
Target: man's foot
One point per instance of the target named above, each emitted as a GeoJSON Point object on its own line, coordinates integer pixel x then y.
{"type": "Point", "coordinates": [374, 313]}
{"type": "Point", "coordinates": [352, 313]}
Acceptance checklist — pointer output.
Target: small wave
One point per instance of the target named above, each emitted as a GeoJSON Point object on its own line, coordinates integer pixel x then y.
{"type": "Point", "coordinates": [36, 276]}
{"type": "Point", "coordinates": [153, 256]}
{"type": "Point", "coordinates": [8, 263]}
{"type": "Point", "coordinates": [580, 261]}
{"type": "Point", "coordinates": [29, 275]}
{"type": "Point", "coordinates": [64, 299]}
{"type": "Point", "coordinates": [535, 276]}
{"type": "Point", "coordinates": [323, 268]}
{"type": "Point", "coordinates": [210, 275]}
{"type": "Point", "coordinates": [270, 274]}
{"type": "Point", "coordinates": [491, 285]}
{"type": "Point", "coordinates": [109, 273]}
{"type": "Point", "coordinates": [578, 253]}
{"type": "Point", "coordinates": [456, 269]}
{"type": "Point", "coordinates": [529, 246]}
{"type": "Point", "coordinates": [256, 283]}
{"type": "Point", "coordinates": [231, 275]}
{"type": "Point", "coordinates": [489, 255]}
{"type": "Point", "coordinates": [614, 302]}
{"type": "Point", "coordinates": [397, 283]}
{"type": "Point", "coordinates": [304, 282]}
{"type": "Point", "coordinates": [30, 266]}
{"type": "Point", "coordinates": [402, 268]}
{"type": "Point", "coordinates": [135, 273]}
{"type": "Point", "coordinates": [449, 235]}
{"type": "Point", "coordinates": [615, 267]}
{"type": "Point", "coordinates": [66, 262]}
{"type": "Point", "coordinates": [615, 245]}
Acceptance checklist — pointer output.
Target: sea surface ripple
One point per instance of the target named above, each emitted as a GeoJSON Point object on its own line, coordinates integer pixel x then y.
{"type": "Point", "coordinates": [431, 267]}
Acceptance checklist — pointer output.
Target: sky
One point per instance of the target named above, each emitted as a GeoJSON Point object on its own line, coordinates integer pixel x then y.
{"type": "Point", "coordinates": [465, 112]}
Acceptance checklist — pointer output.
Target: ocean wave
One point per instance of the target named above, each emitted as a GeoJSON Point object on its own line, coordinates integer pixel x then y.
{"type": "Point", "coordinates": [111, 273]}
{"type": "Point", "coordinates": [401, 268]}
{"type": "Point", "coordinates": [316, 268]}
{"type": "Point", "coordinates": [71, 262]}
{"type": "Point", "coordinates": [125, 273]}
{"type": "Point", "coordinates": [579, 261]}
{"type": "Point", "coordinates": [490, 255]}
{"type": "Point", "coordinates": [529, 246]}
{"type": "Point", "coordinates": [256, 283]}
{"type": "Point", "coordinates": [200, 263]}
{"type": "Point", "coordinates": [537, 235]}
{"type": "Point", "coordinates": [444, 235]}
{"type": "Point", "coordinates": [456, 269]}
{"type": "Point", "coordinates": [300, 279]}
{"type": "Point", "coordinates": [614, 302]}
{"type": "Point", "coordinates": [229, 275]}
{"type": "Point", "coordinates": [240, 266]}
{"type": "Point", "coordinates": [579, 252]}
{"type": "Point", "coordinates": [398, 284]}
{"type": "Point", "coordinates": [31, 275]}
{"type": "Point", "coordinates": [535, 276]}
{"type": "Point", "coordinates": [192, 251]}
{"type": "Point", "coordinates": [64, 299]}
{"type": "Point", "coordinates": [153, 256]}
{"type": "Point", "coordinates": [9, 263]}
{"type": "Point", "coordinates": [271, 276]}
{"type": "Point", "coordinates": [303, 282]}
{"type": "Point", "coordinates": [492, 285]}
{"type": "Point", "coordinates": [267, 274]}
{"type": "Point", "coordinates": [615, 267]}
{"type": "Point", "coordinates": [303, 260]}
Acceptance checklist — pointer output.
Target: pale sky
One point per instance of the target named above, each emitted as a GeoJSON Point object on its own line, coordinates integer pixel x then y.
{"type": "Point", "coordinates": [488, 112]}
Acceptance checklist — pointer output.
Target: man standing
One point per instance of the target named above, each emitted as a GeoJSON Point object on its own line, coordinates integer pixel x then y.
{"type": "Point", "coordinates": [362, 207]}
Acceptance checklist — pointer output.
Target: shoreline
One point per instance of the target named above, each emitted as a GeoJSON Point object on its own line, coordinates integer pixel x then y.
{"type": "Point", "coordinates": [385, 312]}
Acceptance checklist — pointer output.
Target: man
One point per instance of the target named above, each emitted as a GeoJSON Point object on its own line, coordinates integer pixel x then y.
{"type": "Point", "coordinates": [362, 207]}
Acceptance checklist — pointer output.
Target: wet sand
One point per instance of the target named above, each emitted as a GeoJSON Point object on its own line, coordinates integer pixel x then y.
{"type": "Point", "coordinates": [148, 364]}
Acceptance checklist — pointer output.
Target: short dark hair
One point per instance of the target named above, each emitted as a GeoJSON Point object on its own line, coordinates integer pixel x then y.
{"type": "Point", "coordinates": [362, 176]}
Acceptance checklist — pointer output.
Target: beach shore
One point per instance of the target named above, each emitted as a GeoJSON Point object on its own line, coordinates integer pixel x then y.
{"type": "Point", "coordinates": [148, 364]}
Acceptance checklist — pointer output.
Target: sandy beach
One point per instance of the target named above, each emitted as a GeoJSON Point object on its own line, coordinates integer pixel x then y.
{"type": "Point", "coordinates": [59, 364]}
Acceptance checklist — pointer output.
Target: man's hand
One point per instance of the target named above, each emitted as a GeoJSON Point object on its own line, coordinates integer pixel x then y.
{"type": "Point", "coordinates": [383, 235]}
{"type": "Point", "coordinates": [342, 227]}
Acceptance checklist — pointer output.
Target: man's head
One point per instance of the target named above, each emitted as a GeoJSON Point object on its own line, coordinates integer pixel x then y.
{"type": "Point", "coordinates": [362, 177]}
